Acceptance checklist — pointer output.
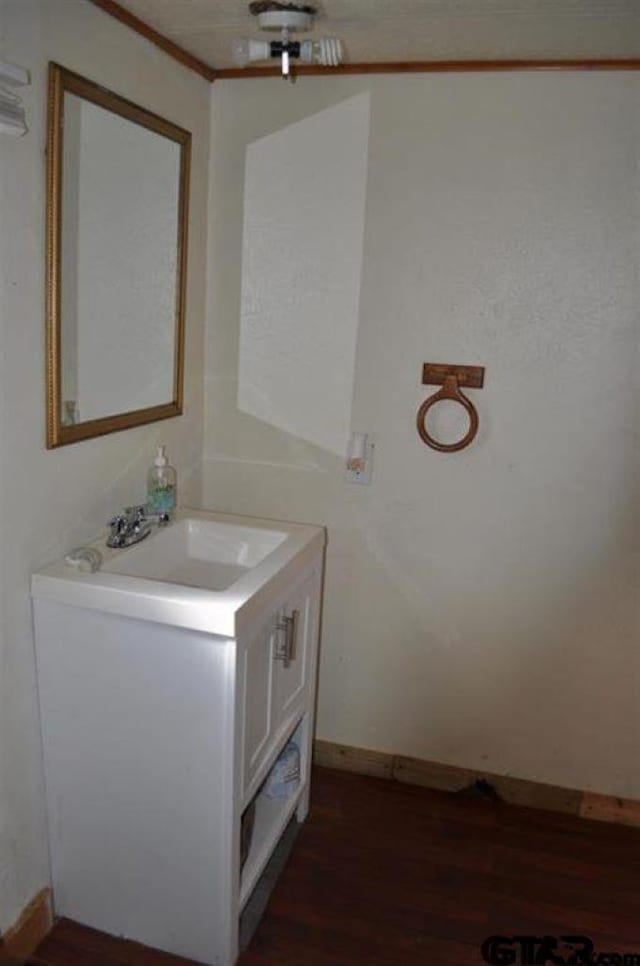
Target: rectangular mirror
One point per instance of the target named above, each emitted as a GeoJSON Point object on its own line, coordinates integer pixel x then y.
{"type": "Point", "coordinates": [117, 209]}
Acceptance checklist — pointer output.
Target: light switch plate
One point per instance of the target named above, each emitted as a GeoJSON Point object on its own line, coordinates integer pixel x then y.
{"type": "Point", "coordinates": [365, 474]}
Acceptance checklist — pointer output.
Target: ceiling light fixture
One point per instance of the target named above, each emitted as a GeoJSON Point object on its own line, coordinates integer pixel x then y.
{"type": "Point", "coordinates": [288, 18]}
{"type": "Point", "coordinates": [12, 116]}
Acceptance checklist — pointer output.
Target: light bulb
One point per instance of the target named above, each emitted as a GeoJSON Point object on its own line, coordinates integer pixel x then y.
{"type": "Point", "coordinates": [245, 50]}
{"type": "Point", "coordinates": [326, 51]}
{"type": "Point", "coordinates": [240, 51]}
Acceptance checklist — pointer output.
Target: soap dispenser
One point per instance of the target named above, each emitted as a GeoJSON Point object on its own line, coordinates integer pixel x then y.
{"type": "Point", "coordinates": [161, 485]}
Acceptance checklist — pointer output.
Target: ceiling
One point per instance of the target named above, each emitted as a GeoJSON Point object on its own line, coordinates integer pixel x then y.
{"type": "Point", "coordinates": [406, 30]}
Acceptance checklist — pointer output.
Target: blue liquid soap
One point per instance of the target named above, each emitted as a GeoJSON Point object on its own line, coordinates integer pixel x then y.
{"type": "Point", "coordinates": [161, 485]}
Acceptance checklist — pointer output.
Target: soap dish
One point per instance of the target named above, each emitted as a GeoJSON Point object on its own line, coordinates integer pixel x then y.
{"type": "Point", "coordinates": [86, 559]}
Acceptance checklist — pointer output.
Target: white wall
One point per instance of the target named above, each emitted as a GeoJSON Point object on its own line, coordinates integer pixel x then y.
{"type": "Point", "coordinates": [53, 500]}
{"type": "Point", "coordinates": [481, 608]}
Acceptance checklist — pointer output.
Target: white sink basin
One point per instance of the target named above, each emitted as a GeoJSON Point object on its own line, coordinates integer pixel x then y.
{"type": "Point", "coordinates": [197, 553]}
{"type": "Point", "coordinates": [210, 572]}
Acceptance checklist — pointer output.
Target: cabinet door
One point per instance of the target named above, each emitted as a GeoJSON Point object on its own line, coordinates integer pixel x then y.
{"type": "Point", "coordinates": [258, 689]}
{"type": "Point", "coordinates": [277, 678]}
{"type": "Point", "coordinates": [294, 650]}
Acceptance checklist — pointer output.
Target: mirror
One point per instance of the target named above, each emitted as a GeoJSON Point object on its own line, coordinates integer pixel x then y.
{"type": "Point", "coordinates": [117, 209]}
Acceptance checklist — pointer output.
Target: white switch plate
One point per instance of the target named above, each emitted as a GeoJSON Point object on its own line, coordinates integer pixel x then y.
{"type": "Point", "coordinates": [364, 475]}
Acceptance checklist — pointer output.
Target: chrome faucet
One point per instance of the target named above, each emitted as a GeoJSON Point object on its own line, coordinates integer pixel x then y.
{"type": "Point", "coordinates": [133, 525]}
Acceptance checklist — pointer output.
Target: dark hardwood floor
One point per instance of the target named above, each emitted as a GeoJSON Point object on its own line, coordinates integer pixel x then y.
{"type": "Point", "coordinates": [386, 874]}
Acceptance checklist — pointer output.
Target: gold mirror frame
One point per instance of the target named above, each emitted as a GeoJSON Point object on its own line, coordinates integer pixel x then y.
{"type": "Point", "coordinates": [62, 81]}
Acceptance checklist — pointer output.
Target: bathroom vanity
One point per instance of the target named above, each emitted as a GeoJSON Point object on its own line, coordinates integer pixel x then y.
{"type": "Point", "coordinates": [170, 680]}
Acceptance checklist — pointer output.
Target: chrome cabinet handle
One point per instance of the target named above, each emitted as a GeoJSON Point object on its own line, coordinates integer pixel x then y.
{"type": "Point", "coordinates": [293, 635]}
{"type": "Point", "coordinates": [280, 649]}
{"type": "Point", "coordinates": [285, 651]}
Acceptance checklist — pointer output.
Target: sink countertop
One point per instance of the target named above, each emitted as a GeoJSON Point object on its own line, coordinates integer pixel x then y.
{"type": "Point", "coordinates": [220, 612]}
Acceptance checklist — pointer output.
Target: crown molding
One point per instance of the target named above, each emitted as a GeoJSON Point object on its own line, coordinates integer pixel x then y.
{"type": "Point", "coordinates": [436, 67]}
{"type": "Point", "coordinates": [174, 50]}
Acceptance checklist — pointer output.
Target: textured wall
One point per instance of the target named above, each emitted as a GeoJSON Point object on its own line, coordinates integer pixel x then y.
{"type": "Point", "coordinates": [481, 608]}
{"type": "Point", "coordinates": [53, 500]}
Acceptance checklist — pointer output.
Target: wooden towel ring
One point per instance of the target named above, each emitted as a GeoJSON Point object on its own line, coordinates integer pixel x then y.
{"type": "Point", "coordinates": [451, 378]}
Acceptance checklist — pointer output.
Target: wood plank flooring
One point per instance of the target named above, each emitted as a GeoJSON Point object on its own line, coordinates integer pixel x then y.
{"type": "Point", "coordinates": [387, 874]}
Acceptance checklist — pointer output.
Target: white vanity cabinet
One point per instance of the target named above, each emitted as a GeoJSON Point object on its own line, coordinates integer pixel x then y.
{"type": "Point", "coordinates": [159, 730]}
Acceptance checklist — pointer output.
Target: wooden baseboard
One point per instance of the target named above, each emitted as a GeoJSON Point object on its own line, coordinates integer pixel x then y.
{"type": "Point", "coordinates": [451, 778]}
{"type": "Point", "coordinates": [361, 761]}
{"type": "Point", "coordinates": [607, 808]}
{"type": "Point", "coordinates": [24, 937]}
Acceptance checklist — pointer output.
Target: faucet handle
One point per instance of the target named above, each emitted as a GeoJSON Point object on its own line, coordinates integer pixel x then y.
{"type": "Point", "coordinates": [142, 514]}
{"type": "Point", "coordinates": [161, 517]}
{"type": "Point", "coordinates": [117, 528]}
{"type": "Point", "coordinates": [136, 513]}
{"type": "Point", "coordinates": [118, 522]}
